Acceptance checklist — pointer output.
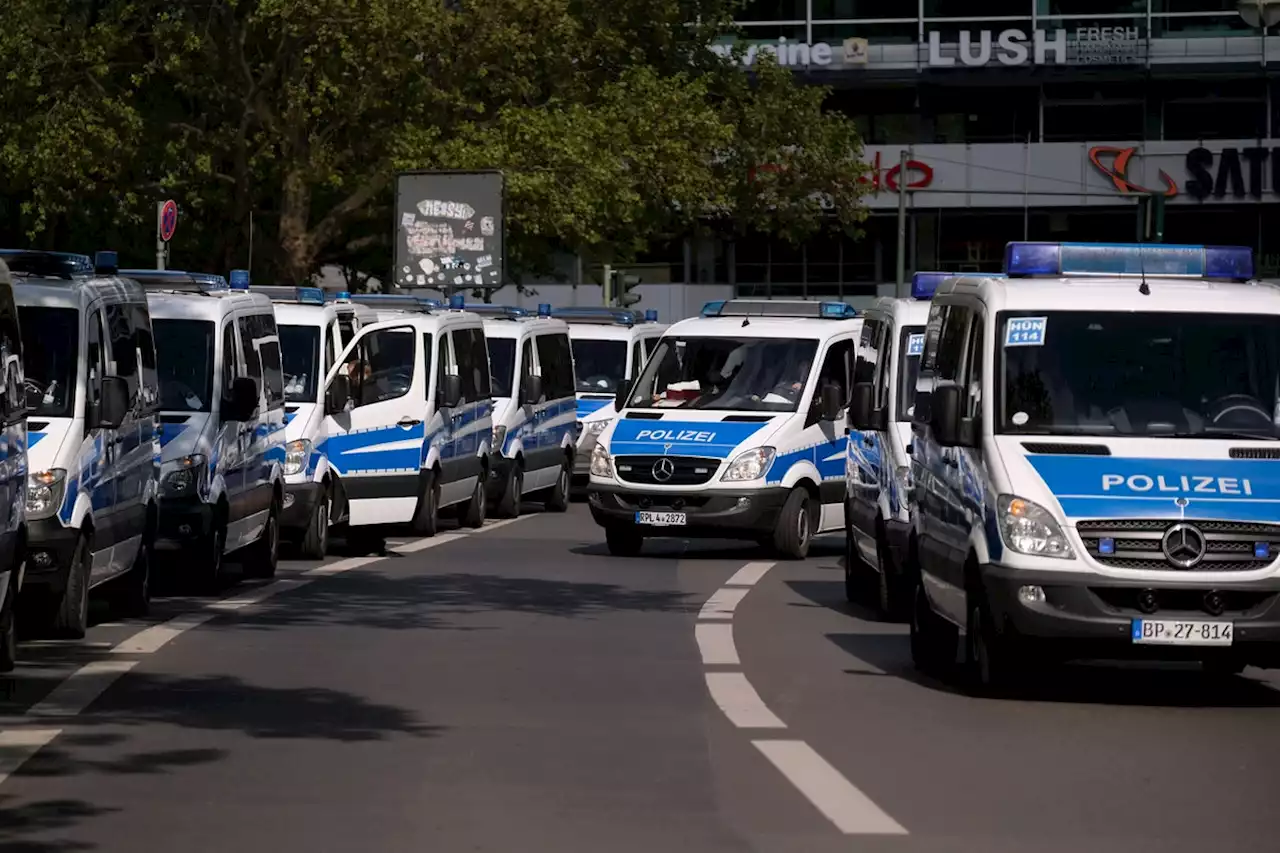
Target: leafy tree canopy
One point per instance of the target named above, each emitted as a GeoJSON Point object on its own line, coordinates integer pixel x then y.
{"type": "Point", "coordinates": [614, 123]}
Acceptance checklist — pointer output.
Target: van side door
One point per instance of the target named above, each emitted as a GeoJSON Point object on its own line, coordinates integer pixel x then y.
{"type": "Point", "coordinates": [827, 436]}
{"type": "Point", "coordinates": [96, 457]}
{"type": "Point", "coordinates": [556, 413]}
{"type": "Point", "coordinates": [131, 459]}
{"type": "Point", "coordinates": [471, 359]}
{"type": "Point", "coordinates": [13, 480]}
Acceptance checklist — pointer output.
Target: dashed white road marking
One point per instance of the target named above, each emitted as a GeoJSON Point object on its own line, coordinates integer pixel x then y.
{"type": "Point", "coordinates": [749, 574]}
{"type": "Point", "coordinates": [722, 603]}
{"type": "Point", "coordinates": [17, 745]}
{"type": "Point", "coordinates": [849, 809]}
{"type": "Point", "coordinates": [740, 702]}
{"type": "Point", "coordinates": [715, 641]}
{"type": "Point", "coordinates": [78, 690]}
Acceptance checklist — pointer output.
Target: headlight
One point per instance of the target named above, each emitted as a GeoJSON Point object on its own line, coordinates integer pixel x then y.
{"type": "Point", "coordinates": [594, 427]}
{"type": "Point", "coordinates": [750, 465]}
{"type": "Point", "coordinates": [1029, 528]}
{"type": "Point", "coordinates": [44, 492]}
{"type": "Point", "coordinates": [296, 455]}
{"type": "Point", "coordinates": [498, 438]}
{"type": "Point", "coordinates": [188, 476]}
{"type": "Point", "coordinates": [601, 465]}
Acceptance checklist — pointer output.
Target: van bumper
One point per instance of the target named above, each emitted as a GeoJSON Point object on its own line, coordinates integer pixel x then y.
{"type": "Point", "coordinates": [581, 479]}
{"type": "Point", "coordinates": [1088, 616]}
{"type": "Point", "coordinates": [499, 469]}
{"type": "Point", "coordinates": [50, 550]}
{"type": "Point", "coordinates": [717, 514]}
{"type": "Point", "coordinates": [183, 522]}
{"type": "Point", "coordinates": [299, 503]}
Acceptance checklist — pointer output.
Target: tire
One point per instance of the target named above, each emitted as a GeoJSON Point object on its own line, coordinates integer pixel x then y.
{"type": "Point", "coordinates": [426, 518]}
{"type": "Point", "coordinates": [315, 542]}
{"type": "Point", "coordinates": [71, 614]}
{"type": "Point", "coordinates": [933, 639]}
{"type": "Point", "coordinates": [472, 512]}
{"type": "Point", "coordinates": [794, 530]}
{"type": "Point", "coordinates": [509, 503]}
{"type": "Point", "coordinates": [132, 598]}
{"type": "Point", "coordinates": [993, 662]}
{"type": "Point", "coordinates": [889, 592]}
{"type": "Point", "coordinates": [623, 541]}
{"type": "Point", "coordinates": [208, 559]}
{"type": "Point", "coordinates": [9, 625]}
{"type": "Point", "coordinates": [558, 497]}
{"type": "Point", "coordinates": [853, 565]}
{"type": "Point", "coordinates": [262, 558]}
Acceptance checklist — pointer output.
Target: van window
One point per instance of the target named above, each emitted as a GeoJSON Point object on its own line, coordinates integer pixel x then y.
{"type": "Point", "coordinates": [248, 352]}
{"type": "Point", "coordinates": [184, 351]}
{"type": "Point", "coordinates": [52, 340]}
{"type": "Point", "coordinates": [864, 369]}
{"type": "Point", "coordinates": [502, 365]}
{"type": "Point", "coordinates": [526, 366]}
{"type": "Point", "coordinates": [649, 344]}
{"type": "Point", "coordinates": [299, 351]}
{"type": "Point", "coordinates": [951, 341]}
{"type": "Point", "coordinates": [144, 342]}
{"type": "Point", "coordinates": [556, 360]}
{"type": "Point", "coordinates": [444, 365]}
{"type": "Point", "coordinates": [473, 364]}
{"type": "Point", "coordinates": [426, 364]}
{"type": "Point", "coordinates": [346, 330]}
{"type": "Point", "coordinates": [973, 370]}
{"type": "Point", "coordinates": [835, 371]}
{"type": "Point", "coordinates": [95, 362]}
{"type": "Point", "coordinates": [124, 348]}
{"type": "Point", "coordinates": [480, 360]}
{"type": "Point", "coordinates": [230, 368]}
{"type": "Point", "coordinates": [637, 360]}
{"type": "Point", "coordinates": [381, 366]}
{"type": "Point", "coordinates": [268, 345]}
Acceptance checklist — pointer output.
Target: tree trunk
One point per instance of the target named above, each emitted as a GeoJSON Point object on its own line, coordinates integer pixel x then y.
{"type": "Point", "coordinates": [298, 250]}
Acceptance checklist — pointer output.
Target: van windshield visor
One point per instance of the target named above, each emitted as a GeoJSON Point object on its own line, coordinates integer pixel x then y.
{"type": "Point", "coordinates": [502, 366]}
{"type": "Point", "coordinates": [300, 358]}
{"type": "Point", "coordinates": [910, 350]}
{"type": "Point", "coordinates": [1103, 373]}
{"type": "Point", "coordinates": [741, 374]}
{"type": "Point", "coordinates": [50, 351]}
{"type": "Point", "coordinates": [599, 365]}
{"type": "Point", "coordinates": [184, 361]}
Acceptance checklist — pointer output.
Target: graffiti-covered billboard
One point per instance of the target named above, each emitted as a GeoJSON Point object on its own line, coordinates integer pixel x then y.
{"type": "Point", "coordinates": [449, 230]}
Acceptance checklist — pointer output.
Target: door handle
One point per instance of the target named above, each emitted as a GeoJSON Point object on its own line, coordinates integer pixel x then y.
{"type": "Point", "coordinates": [407, 421]}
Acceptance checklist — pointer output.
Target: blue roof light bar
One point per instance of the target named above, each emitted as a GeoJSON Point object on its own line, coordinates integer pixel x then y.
{"type": "Point", "coordinates": [511, 312]}
{"type": "Point", "coordinates": [177, 280]}
{"type": "Point", "coordinates": [925, 284]}
{"type": "Point", "coordinates": [780, 308]}
{"type": "Point", "coordinates": [47, 264]}
{"type": "Point", "coordinates": [1230, 263]}
{"type": "Point", "coordinates": [605, 316]}
{"type": "Point", "coordinates": [651, 315]}
{"type": "Point", "coordinates": [106, 262]}
{"type": "Point", "coordinates": [239, 279]}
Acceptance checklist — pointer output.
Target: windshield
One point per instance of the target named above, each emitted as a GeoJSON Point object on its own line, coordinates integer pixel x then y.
{"type": "Point", "coordinates": [910, 349]}
{"type": "Point", "coordinates": [599, 365]}
{"type": "Point", "coordinates": [752, 374]}
{"type": "Point", "coordinates": [300, 357]}
{"type": "Point", "coordinates": [184, 361]}
{"type": "Point", "coordinates": [1114, 373]}
{"type": "Point", "coordinates": [502, 366]}
{"type": "Point", "coordinates": [50, 347]}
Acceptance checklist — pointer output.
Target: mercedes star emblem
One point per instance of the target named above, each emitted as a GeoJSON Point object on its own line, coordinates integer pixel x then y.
{"type": "Point", "coordinates": [1183, 545]}
{"type": "Point", "coordinates": [663, 469]}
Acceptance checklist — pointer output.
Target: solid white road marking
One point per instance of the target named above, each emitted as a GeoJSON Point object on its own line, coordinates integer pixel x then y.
{"type": "Point", "coordinates": [715, 641]}
{"type": "Point", "coordinates": [152, 639]}
{"type": "Point", "coordinates": [722, 603]}
{"type": "Point", "coordinates": [494, 525]}
{"type": "Point", "coordinates": [340, 566]}
{"type": "Point", "coordinates": [17, 745]}
{"type": "Point", "coordinates": [424, 544]}
{"type": "Point", "coordinates": [740, 702]}
{"type": "Point", "coordinates": [849, 809]}
{"type": "Point", "coordinates": [749, 574]}
{"type": "Point", "coordinates": [81, 688]}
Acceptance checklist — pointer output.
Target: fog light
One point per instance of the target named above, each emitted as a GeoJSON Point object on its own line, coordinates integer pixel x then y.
{"type": "Point", "coordinates": [288, 501]}
{"type": "Point", "coordinates": [1031, 595]}
{"type": "Point", "coordinates": [42, 559]}
{"type": "Point", "coordinates": [1214, 603]}
{"type": "Point", "coordinates": [743, 503]}
{"type": "Point", "coordinates": [184, 529]}
{"type": "Point", "coordinates": [1147, 601]}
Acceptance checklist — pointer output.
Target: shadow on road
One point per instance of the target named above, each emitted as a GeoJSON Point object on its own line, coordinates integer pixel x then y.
{"type": "Point", "coordinates": [830, 594]}
{"type": "Point", "coordinates": [19, 823]}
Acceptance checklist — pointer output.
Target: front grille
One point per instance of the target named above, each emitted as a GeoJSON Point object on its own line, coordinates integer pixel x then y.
{"type": "Point", "coordinates": [689, 470]}
{"type": "Point", "coordinates": [1230, 546]}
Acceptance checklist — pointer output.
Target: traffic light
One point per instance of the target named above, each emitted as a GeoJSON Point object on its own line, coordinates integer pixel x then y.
{"type": "Point", "coordinates": [625, 285]}
{"type": "Point", "coordinates": [1151, 218]}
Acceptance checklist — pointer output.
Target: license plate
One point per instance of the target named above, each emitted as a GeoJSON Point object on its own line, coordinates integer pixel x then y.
{"type": "Point", "coordinates": [1178, 632]}
{"type": "Point", "coordinates": [662, 519]}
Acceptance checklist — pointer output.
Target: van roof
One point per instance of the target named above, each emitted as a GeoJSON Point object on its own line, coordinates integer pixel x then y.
{"type": "Point", "coordinates": [208, 305]}
{"type": "Point", "coordinates": [75, 293]}
{"type": "Point", "coordinates": [501, 327]}
{"type": "Point", "coordinates": [762, 327]}
{"type": "Point", "coordinates": [1105, 293]}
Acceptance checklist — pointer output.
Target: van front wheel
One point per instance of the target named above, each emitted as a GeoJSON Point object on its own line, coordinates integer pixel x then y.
{"type": "Point", "coordinates": [264, 555]}
{"type": "Point", "coordinates": [794, 530]}
{"type": "Point", "coordinates": [71, 619]}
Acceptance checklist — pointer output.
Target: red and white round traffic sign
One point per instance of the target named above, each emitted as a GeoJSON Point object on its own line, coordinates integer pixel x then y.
{"type": "Point", "coordinates": [168, 220]}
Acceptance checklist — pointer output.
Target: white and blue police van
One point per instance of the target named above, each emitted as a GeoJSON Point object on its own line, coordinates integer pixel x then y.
{"type": "Point", "coordinates": [1095, 462]}
{"type": "Point", "coordinates": [610, 346]}
{"type": "Point", "coordinates": [222, 425]}
{"type": "Point", "coordinates": [93, 438]}
{"type": "Point", "coordinates": [878, 468]}
{"type": "Point", "coordinates": [408, 417]}
{"type": "Point", "coordinates": [13, 469]}
{"type": "Point", "coordinates": [734, 429]}
{"type": "Point", "coordinates": [310, 332]}
{"type": "Point", "coordinates": [535, 421]}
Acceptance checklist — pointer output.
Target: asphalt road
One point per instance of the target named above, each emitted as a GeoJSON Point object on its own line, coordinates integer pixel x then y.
{"type": "Point", "coordinates": [516, 689]}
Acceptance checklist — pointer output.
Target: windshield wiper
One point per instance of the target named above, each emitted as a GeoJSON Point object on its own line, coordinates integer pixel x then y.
{"type": "Point", "coordinates": [1226, 435]}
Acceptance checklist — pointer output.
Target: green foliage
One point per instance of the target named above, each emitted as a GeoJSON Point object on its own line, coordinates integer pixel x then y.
{"type": "Point", "coordinates": [614, 123]}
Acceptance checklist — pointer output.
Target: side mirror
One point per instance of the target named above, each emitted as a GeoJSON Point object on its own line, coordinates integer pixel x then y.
{"type": "Point", "coordinates": [861, 411]}
{"type": "Point", "coordinates": [531, 390]}
{"type": "Point", "coordinates": [338, 394]}
{"type": "Point", "coordinates": [945, 411]}
{"type": "Point", "coordinates": [450, 391]}
{"type": "Point", "coordinates": [114, 405]}
{"type": "Point", "coordinates": [241, 400]}
{"type": "Point", "coordinates": [830, 402]}
{"type": "Point", "coordinates": [622, 395]}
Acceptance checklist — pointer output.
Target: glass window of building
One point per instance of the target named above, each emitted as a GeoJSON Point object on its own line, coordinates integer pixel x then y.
{"type": "Point", "coordinates": [1091, 7]}
{"type": "Point", "coordinates": [882, 32]}
{"type": "Point", "coordinates": [1235, 109]}
{"type": "Point", "coordinates": [846, 10]}
{"type": "Point", "coordinates": [1075, 112]}
{"type": "Point", "coordinates": [981, 114]}
{"type": "Point", "coordinates": [772, 10]}
{"type": "Point", "coordinates": [977, 8]}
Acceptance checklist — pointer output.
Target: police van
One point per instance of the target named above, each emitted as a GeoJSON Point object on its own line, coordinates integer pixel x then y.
{"type": "Point", "coordinates": [878, 468]}
{"type": "Point", "coordinates": [93, 437]}
{"type": "Point", "coordinates": [535, 407]}
{"type": "Point", "coordinates": [222, 423]}
{"type": "Point", "coordinates": [13, 469]}
{"type": "Point", "coordinates": [408, 417]}
{"type": "Point", "coordinates": [1095, 464]}
{"type": "Point", "coordinates": [734, 429]}
{"type": "Point", "coordinates": [609, 345]}
{"type": "Point", "coordinates": [353, 313]}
